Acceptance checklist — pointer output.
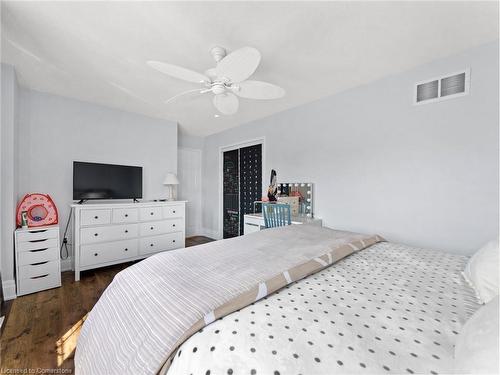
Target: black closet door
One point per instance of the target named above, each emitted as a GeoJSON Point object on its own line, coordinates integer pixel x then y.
{"type": "Point", "coordinates": [250, 179]}
{"type": "Point", "coordinates": [231, 191]}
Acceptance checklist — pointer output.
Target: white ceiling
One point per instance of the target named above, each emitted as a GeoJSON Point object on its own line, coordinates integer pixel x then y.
{"type": "Point", "coordinates": [97, 51]}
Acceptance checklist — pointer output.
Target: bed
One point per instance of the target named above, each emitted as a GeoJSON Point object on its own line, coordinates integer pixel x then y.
{"type": "Point", "coordinates": [332, 303]}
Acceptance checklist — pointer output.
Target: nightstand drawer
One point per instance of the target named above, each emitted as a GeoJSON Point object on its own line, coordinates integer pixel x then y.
{"type": "Point", "coordinates": [35, 235]}
{"type": "Point", "coordinates": [36, 284]}
{"type": "Point", "coordinates": [37, 256]}
{"type": "Point", "coordinates": [38, 269]}
{"type": "Point", "coordinates": [37, 244]}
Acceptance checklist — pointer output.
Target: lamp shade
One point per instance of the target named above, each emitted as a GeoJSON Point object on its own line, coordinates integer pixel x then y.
{"type": "Point", "coordinates": [170, 179]}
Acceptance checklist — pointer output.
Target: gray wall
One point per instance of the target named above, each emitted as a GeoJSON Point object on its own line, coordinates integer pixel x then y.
{"type": "Point", "coordinates": [8, 176]}
{"type": "Point", "coordinates": [190, 141]}
{"type": "Point", "coordinates": [55, 131]}
{"type": "Point", "coordinates": [424, 175]}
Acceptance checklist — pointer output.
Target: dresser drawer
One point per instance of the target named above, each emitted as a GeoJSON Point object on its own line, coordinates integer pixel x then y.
{"type": "Point", "coordinates": [95, 217]}
{"type": "Point", "coordinates": [150, 213]}
{"type": "Point", "coordinates": [107, 252]}
{"type": "Point", "coordinates": [35, 284]}
{"type": "Point", "coordinates": [37, 244]}
{"type": "Point", "coordinates": [38, 269]}
{"type": "Point", "coordinates": [125, 215]}
{"type": "Point", "coordinates": [164, 242]}
{"type": "Point", "coordinates": [109, 233]}
{"type": "Point", "coordinates": [173, 211]}
{"type": "Point", "coordinates": [37, 256]}
{"type": "Point", "coordinates": [161, 227]}
{"type": "Point", "coordinates": [35, 235]}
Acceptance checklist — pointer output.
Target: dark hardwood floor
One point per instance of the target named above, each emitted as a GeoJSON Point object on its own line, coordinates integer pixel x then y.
{"type": "Point", "coordinates": [42, 328]}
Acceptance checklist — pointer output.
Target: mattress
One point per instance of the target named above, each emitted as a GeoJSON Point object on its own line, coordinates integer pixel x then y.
{"type": "Point", "coordinates": [387, 309]}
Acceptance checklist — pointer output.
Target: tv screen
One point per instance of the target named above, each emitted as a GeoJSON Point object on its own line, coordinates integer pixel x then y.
{"type": "Point", "coordinates": [106, 181]}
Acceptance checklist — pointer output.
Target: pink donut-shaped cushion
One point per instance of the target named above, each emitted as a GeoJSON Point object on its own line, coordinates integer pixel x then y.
{"type": "Point", "coordinates": [40, 208]}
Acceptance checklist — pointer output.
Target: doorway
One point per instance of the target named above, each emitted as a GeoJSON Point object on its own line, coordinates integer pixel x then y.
{"type": "Point", "coordinates": [241, 186]}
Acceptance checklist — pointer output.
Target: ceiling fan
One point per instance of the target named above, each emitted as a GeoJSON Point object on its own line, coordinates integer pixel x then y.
{"type": "Point", "coordinates": [227, 80]}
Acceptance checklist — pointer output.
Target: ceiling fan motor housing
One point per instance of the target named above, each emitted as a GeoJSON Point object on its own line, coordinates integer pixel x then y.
{"type": "Point", "coordinates": [218, 53]}
{"type": "Point", "coordinates": [218, 89]}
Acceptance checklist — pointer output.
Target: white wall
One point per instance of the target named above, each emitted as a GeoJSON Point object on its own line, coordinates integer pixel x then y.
{"type": "Point", "coordinates": [8, 172]}
{"type": "Point", "coordinates": [190, 141]}
{"type": "Point", "coordinates": [55, 131]}
{"type": "Point", "coordinates": [424, 175]}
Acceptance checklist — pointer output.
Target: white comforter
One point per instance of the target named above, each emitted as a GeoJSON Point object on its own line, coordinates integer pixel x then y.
{"type": "Point", "coordinates": [152, 307]}
{"type": "Point", "coordinates": [386, 309]}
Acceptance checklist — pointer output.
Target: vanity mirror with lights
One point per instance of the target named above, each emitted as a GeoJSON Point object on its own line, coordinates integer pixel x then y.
{"type": "Point", "coordinates": [300, 197]}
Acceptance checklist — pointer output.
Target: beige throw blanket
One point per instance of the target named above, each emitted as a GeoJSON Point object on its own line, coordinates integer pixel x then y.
{"type": "Point", "coordinates": [151, 308]}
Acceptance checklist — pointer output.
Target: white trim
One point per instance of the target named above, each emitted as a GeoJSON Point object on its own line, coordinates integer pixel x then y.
{"type": "Point", "coordinates": [66, 264]}
{"type": "Point", "coordinates": [198, 224]}
{"type": "Point", "coordinates": [440, 98]}
{"type": "Point", "coordinates": [9, 289]}
{"type": "Point", "coordinates": [234, 146]}
{"type": "Point", "coordinates": [210, 233]}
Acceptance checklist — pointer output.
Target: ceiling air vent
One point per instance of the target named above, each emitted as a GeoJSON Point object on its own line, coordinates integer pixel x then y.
{"type": "Point", "coordinates": [441, 88]}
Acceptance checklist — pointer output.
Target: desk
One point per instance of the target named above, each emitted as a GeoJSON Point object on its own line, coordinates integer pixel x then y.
{"type": "Point", "coordinates": [255, 222]}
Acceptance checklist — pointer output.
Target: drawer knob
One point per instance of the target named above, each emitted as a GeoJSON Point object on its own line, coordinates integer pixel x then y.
{"type": "Point", "coordinates": [126, 215]}
{"type": "Point", "coordinates": [151, 213]}
{"type": "Point", "coordinates": [173, 225]}
{"type": "Point", "coordinates": [95, 254]}
{"type": "Point", "coordinates": [126, 249]}
{"type": "Point", "coordinates": [126, 230]}
{"type": "Point", "coordinates": [96, 234]}
{"type": "Point", "coordinates": [151, 245]}
{"type": "Point", "coordinates": [96, 217]}
{"type": "Point", "coordinates": [173, 240]}
{"type": "Point", "coordinates": [173, 211]}
{"type": "Point", "coordinates": [152, 228]}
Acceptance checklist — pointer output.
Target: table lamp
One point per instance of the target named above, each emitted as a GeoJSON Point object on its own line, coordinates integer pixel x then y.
{"type": "Point", "coordinates": [170, 180]}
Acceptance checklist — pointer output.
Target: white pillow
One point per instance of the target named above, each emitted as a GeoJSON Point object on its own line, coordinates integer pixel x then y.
{"type": "Point", "coordinates": [481, 272]}
{"type": "Point", "coordinates": [476, 350]}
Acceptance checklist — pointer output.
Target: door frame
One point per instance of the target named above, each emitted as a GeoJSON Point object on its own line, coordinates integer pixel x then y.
{"type": "Point", "coordinates": [235, 146]}
{"type": "Point", "coordinates": [199, 219]}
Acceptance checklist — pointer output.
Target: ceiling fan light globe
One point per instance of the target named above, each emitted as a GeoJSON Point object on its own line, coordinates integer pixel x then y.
{"type": "Point", "coordinates": [218, 89]}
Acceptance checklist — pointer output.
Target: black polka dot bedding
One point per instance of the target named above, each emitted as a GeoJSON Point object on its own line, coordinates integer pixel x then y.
{"type": "Point", "coordinates": [387, 309]}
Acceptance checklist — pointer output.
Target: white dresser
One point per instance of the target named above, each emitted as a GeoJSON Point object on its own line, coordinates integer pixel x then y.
{"type": "Point", "coordinates": [111, 233]}
{"type": "Point", "coordinates": [37, 259]}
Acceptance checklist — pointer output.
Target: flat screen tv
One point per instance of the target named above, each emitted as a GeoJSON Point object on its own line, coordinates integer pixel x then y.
{"type": "Point", "coordinates": [106, 181]}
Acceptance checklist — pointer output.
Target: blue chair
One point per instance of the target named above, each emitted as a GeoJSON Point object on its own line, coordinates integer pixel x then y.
{"type": "Point", "coordinates": [276, 214]}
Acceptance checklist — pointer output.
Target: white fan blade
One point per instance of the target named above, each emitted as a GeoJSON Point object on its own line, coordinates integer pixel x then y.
{"type": "Point", "coordinates": [258, 90]}
{"type": "Point", "coordinates": [226, 103]}
{"type": "Point", "coordinates": [211, 73]}
{"type": "Point", "coordinates": [239, 65]}
{"type": "Point", "coordinates": [178, 72]}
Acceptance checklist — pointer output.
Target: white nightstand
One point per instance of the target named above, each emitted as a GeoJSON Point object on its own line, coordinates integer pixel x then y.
{"type": "Point", "coordinates": [37, 259]}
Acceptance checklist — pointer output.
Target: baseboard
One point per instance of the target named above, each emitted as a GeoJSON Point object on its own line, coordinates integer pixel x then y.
{"type": "Point", "coordinates": [66, 264]}
{"type": "Point", "coordinates": [211, 233]}
{"type": "Point", "coordinates": [9, 289]}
